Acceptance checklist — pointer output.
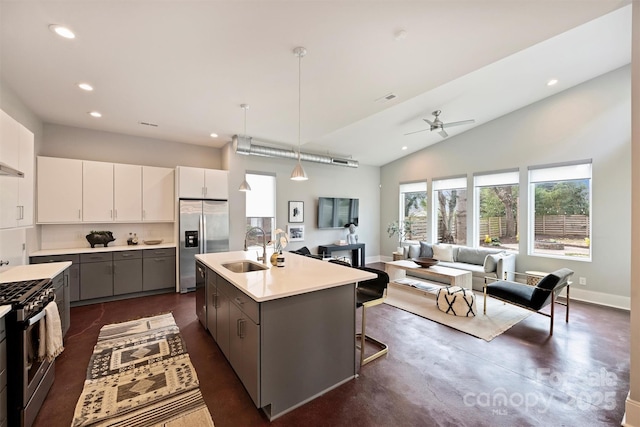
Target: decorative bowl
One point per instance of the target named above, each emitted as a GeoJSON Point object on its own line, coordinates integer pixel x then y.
{"type": "Point", "coordinates": [425, 262]}
{"type": "Point", "coordinates": [152, 242]}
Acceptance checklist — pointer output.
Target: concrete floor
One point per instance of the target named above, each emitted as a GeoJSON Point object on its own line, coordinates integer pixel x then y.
{"type": "Point", "coordinates": [432, 376]}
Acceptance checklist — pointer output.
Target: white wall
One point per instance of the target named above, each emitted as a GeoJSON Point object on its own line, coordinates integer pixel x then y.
{"type": "Point", "coordinates": [591, 120]}
{"type": "Point", "coordinates": [85, 144]}
{"type": "Point", "coordinates": [324, 181]}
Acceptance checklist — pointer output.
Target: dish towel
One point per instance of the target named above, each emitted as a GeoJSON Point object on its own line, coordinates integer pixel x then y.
{"type": "Point", "coordinates": [50, 345]}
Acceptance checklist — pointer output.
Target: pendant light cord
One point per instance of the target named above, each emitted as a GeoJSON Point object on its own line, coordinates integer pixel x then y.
{"type": "Point", "coordinates": [299, 101]}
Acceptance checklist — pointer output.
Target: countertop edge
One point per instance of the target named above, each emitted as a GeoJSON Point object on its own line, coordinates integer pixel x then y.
{"type": "Point", "coordinates": [47, 270]}
{"type": "Point", "coordinates": [4, 309]}
{"type": "Point", "coordinates": [85, 250]}
{"type": "Point", "coordinates": [268, 279]}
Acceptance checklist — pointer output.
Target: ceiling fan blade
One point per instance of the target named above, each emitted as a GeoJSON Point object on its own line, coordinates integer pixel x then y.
{"type": "Point", "coordinates": [463, 122]}
{"type": "Point", "coordinates": [415, 131]}
{"type": "Point", "coordinates": [443, 133]}
{"type": "Point", "coordinates": [429, 121]}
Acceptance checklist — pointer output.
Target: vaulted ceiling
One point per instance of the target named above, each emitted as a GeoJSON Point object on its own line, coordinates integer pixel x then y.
{"type": "Point", "coordinates": [186, 66]}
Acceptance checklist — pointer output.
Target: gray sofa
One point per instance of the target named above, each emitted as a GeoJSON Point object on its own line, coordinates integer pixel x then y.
{"type": "Point", "coordinates": [480, 262]}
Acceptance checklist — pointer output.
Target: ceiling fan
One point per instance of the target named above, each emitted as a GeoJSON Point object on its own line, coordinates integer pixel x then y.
{"type": "Point", "coordinates": [437, 124]}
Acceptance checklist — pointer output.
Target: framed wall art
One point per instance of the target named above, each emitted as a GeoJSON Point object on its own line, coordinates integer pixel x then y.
{"type": "Point", "coordinates": [295, 232]}
{"type": "Point", "coordinates": [296, 211]}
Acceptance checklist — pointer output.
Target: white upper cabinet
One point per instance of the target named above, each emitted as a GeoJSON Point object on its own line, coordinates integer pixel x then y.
{"type": "Point", "coordinates": [97, 191]}
{"type": "Point", "coordinates": [59, 190]}
{"type": "Point", "coordinates": [158, 197]}
{"type": "Point", "coordinates": [74, 191]}
{"type": "Point", "coordinates": [26, 184]}
{"type": "Point", "coordinates": [127, 187]}
{"type": "Point", "coordinates": [16, 194]}
{"type": "Point", "coordinates": [198, 183]}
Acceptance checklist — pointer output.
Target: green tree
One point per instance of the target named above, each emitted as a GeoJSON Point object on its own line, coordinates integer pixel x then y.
{"type": "Point", "coordinates": [562, 198]}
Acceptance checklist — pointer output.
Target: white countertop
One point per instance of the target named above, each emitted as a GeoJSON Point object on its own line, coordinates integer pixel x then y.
{"type": "Point", "coordinates": [4, 309]}
{"type": "Point", "coordinates": [300, 274]}
{"type": "Point", "coordinates": [86, 250]}
{"type": "Point", "coordinates": [47, 270]}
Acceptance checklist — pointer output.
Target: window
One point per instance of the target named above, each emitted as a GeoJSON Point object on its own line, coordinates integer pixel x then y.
{"type": "Point", "coordinates": [560, 206]}
{"type": "Point", "coordinates": [413, 210]}
{"type": "Point", "coordinates": [450, 210]}
{"type": "Point", "coordinates": [261, 205]}
{"type": "Point", "coordinates": [496, 210]}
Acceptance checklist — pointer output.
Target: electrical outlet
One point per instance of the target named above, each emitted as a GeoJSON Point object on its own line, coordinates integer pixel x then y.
{"type": "Point", "coordinates": [583, 280]}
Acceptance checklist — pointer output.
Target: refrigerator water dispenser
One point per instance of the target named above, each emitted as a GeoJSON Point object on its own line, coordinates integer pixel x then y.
{"type": "Point", "coordinates": [191, 239]}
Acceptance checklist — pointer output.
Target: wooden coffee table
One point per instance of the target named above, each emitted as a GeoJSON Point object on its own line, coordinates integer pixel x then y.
{"type": "Point", "coordinates": [397, 271]}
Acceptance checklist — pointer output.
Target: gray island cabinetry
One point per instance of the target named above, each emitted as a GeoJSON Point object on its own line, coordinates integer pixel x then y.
{"type": "Point", "coordinates": [288, 333]}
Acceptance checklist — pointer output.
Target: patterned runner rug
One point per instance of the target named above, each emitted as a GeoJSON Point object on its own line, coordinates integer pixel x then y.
{"type": "Point", "coordinates": [140, 375]}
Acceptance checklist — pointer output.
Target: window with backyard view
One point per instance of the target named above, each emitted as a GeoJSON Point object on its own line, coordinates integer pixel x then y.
{"type": "Point", "coordinates": [561, 211]}
{"type": "Point", "coordinates": [496, 220]}
{"type": "Point", "coordinates": [413, 211]}
{"type": "Point", "coordinates": [450, 210]}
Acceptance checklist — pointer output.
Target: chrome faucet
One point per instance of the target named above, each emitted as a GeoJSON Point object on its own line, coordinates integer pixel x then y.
{"type": "Point", "coordinates": [263, 258]}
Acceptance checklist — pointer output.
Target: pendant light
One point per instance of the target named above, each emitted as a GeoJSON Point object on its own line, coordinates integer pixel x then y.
{"type": "Point", "coordinates": [244, 186]}
{"type": "Point", "coordinates": [298, 173]}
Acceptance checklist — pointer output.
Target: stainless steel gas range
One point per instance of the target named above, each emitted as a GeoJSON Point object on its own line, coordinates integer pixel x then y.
{"type": "Point", "coordinates": [29, 378]}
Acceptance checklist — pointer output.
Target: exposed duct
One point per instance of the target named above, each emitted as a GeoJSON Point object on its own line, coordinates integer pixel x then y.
{"type": "Point", "coordinates": [243, 145]}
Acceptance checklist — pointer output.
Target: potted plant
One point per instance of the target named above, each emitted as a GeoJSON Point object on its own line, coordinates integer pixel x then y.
{"type": "Point", "coordinates": [279, 243]}
{"type": "Point", "coordinates": [401, 230]}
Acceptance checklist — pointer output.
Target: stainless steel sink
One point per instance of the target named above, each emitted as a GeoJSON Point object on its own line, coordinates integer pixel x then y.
{"type": "Point", "coordinates": [244, 266]}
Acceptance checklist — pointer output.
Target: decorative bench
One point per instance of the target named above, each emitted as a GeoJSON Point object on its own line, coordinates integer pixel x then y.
{"type": "Point", "coordinates": [456, 301]}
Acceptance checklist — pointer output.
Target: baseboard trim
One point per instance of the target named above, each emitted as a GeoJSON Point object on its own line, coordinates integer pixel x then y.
{"type": "Point", "coordinates": [632, 413]}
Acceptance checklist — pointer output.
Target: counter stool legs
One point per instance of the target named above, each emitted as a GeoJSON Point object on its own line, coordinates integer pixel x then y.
{"type": "Point", "coordinates": [362, 338]}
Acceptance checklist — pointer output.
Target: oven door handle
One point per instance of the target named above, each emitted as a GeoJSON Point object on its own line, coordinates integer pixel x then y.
{"type": "Point", "coordinates": [36, 318]}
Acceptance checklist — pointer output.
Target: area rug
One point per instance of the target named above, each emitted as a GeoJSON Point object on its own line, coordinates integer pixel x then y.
{"type": "Point", "coordinates": [140, 375]}
{"type": "Point", "coordinates": [500, 317]}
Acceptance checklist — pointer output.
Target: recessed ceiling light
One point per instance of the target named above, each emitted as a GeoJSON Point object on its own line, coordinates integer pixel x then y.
{"type": "Point", "coordinates": [95, 114]}
{"type": "Point", "coordinates": [404, 148]}
{"type": "Point", "coordinates": [85, 86]}
{"type": "Point", "coordinates": [552, 82]}
{"type": "Point", "coordinates": [214, 135]}
{"type": "Point", "coordinates": [62, 31]}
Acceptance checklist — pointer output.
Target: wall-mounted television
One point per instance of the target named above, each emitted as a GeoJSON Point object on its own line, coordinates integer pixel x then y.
{"type": "Point", "coordinates": [336, 212]}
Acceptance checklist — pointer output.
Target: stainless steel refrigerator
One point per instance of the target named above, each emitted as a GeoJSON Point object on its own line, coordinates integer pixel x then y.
{"type": "Point", "coordinates": [204, 228]}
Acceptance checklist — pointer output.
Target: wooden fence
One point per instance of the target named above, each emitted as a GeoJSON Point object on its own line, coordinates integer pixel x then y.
{"type": "Point", "coordinates": [550, 225]}
{"type": "Point", "coordinates": [563, 225]}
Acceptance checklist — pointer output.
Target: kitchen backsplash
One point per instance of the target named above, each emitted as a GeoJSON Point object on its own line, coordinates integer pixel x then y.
{"type": "Point", "coordinates": [61, 236]}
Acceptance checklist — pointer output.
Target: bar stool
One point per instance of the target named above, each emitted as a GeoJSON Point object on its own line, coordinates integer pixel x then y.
{"type": "Point", "coordinates": [369, 293]}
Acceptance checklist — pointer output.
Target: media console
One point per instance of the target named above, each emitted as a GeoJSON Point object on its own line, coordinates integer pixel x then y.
{"type": "Point", "coordinates": [356, 261]}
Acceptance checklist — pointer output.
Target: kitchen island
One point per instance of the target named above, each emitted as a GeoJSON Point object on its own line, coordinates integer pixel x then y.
{"type": "Point", "coordinates": [288, 332]}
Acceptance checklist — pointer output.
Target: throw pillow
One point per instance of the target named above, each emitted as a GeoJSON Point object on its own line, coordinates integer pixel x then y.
{"type": "Point", "coordinates": [426, 250]}
{"type": "Point", "coordinates": [443, 252]}
{"type": "Point", "coordinates": [414, 251]}
{"type": "Point", "coordinates": [491, 262]}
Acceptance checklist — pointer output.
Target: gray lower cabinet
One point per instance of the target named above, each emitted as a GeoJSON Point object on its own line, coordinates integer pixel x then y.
{"type": "Point", "coordinates": [244, 350]}
{"type": "Point", "coordinates": [3, 375]}
{"type": "Point", "coordinates": [211, 302]}
{"type": "Point", "coordinates": [74, 271]}
{"type": "Point", "coordinates": [96, 272]}
{"type": "Point", "coordinates": [232, 319]}
{"type": "Point", "coordinates": [220, 309]}
{"type": "Point", "coordinates": [158, 269]}
{"type": "Point", "coordinates": [127, 272]}
{"type": "Point", "coordinates": [99, 275]}
{"type": "Point", "coordinates": [62, 292]}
